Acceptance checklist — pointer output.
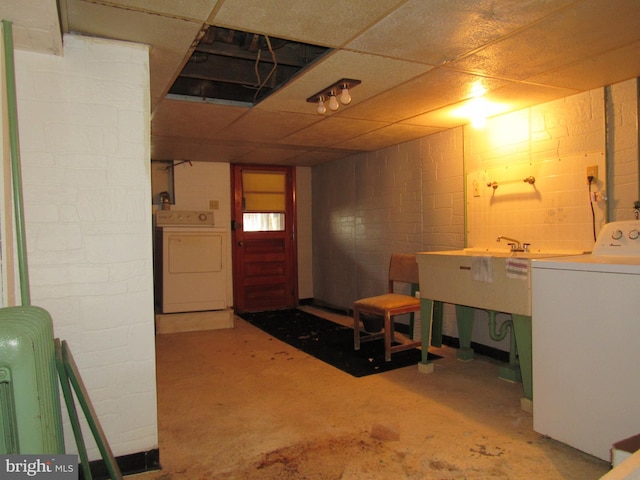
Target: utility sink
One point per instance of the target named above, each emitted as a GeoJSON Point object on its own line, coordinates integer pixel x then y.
{"type": "Point", "coordinates": [462, 277]}
{"type": "Point", "coordinates": [479, 278]}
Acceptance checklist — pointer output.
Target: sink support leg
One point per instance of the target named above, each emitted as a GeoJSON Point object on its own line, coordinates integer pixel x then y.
{"type": "Point", "coordinates": [510, 372]}
{"type": "Point", "coordinates": [522, 330]}
{"type": "Point", "coordinates": [430, 313]}
{"type": "Point", "coordinates": [464, 319]}
{"type": "Point", "coordinates": [436, 324]}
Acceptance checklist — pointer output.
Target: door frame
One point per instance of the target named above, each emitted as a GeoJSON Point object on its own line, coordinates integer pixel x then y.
{"type": "Point", "coordinates": [237, 234]}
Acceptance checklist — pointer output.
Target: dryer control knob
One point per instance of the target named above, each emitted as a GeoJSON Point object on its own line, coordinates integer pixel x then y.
{"type": "Point", "coordinates": [634, 234]}
{"type": "Point", "coordinates": [202, 217]}
{"type": "Point", "coordinates": [617, 235]}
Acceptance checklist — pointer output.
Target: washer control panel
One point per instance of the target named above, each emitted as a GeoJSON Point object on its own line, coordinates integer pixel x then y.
{"type": "Point", "coordinates": [619, 238]}
{"type": "Point", "coordinates": [186, 218]}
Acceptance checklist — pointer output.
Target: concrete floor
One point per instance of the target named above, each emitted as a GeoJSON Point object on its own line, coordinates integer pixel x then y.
{"type": "Point", "coordinates": [239, 404]}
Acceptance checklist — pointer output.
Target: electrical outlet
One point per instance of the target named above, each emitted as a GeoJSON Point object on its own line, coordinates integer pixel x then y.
{"type": "Point", "coordinates": [592, 171]}
{"type": "Point", "coordinates": [476, 188]}
{"type": "Point", "coordinates": [213, 205]}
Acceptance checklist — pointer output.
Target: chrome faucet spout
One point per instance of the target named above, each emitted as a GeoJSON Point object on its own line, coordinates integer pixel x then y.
{"type": "Point", "coordinates": [516, 246]}
{"type": "Point", "coordinates": [502, 237]}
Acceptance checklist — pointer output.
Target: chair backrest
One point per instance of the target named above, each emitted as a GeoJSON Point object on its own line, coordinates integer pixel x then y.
{"type": "Point", "coordinates": [403, 268]}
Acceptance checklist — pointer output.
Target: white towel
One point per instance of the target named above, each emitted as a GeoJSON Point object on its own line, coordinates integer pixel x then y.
{"type": "Point", "coordinates": [481, 269]}
{"type": "Point", "coordinates": [517, 268]}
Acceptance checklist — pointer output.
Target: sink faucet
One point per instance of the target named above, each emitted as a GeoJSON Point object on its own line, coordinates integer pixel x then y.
{"type": "Point", "coordinates": [515, 245]}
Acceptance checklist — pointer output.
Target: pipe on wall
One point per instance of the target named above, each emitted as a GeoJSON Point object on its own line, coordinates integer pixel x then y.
{"type": "Point", "coordinates": [16, 173]}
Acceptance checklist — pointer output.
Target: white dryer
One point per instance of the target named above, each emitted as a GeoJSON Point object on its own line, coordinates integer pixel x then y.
{"type": "Point", "coordinates": [191, 266]}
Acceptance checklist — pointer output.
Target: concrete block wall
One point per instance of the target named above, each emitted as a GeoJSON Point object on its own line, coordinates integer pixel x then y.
{"type": "Point", "coordinates": [388, 214]}
{"type": "Point", "coordinates": [84, 136]}
{"type": "Point", "coordinates": [553, 143]}
{"type": "Point", "coordinates": [346, 239]}
{"type": "Point", "coordinates": [304, 202]}
{"type": "Point", "coordinates": [370, 206]}
{"type": "Point", "coordinates": [443, 209]}
{"type": "Point", "coordinates": [406, 198]}
{"type": "Point", "coordinates": [334, 232]}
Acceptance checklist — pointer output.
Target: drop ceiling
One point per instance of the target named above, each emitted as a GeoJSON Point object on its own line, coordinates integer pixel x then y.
{"type": "Point", "coordinates": [417, 60]}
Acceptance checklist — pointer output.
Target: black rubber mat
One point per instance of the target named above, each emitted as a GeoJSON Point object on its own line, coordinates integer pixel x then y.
{"type": "Point", "coordinates": [330, 342]}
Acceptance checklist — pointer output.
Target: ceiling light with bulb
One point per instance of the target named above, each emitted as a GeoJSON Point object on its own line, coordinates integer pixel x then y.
{"type": "Point", "coordinates": [334, 95]}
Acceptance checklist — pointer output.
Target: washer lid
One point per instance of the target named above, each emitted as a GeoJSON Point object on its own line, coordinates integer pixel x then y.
{"type": "Point", "coordinates": [591, 263]}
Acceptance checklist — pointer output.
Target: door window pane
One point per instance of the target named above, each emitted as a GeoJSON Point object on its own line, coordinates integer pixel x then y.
{"type": "Point", "coordinates": [263, 222]}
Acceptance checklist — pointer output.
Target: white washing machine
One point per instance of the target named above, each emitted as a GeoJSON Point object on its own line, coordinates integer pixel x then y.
{"type": "Point", "coordinates": [191, 266]}
{"type": "Point", "coordinates": [585, 339]}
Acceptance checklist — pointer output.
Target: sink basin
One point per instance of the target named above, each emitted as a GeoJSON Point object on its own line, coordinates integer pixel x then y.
{"type": "Point", "coordinates": [448, 276]}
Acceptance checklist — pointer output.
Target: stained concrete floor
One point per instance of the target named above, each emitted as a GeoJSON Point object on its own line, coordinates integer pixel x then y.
{"type": "Point", "coordinates": [239, 404]}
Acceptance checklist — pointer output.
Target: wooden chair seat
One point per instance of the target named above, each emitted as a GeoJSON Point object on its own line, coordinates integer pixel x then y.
{"type": "Point", "coordinates": [389, 301]}
{"type": "Point", "coordinates": [402, 269]}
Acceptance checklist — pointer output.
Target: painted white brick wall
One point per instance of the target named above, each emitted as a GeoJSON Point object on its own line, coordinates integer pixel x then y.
{"type": "Point", "coordinates": [84, 136]}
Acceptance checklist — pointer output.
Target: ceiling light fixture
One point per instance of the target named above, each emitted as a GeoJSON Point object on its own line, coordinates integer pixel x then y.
{"type": "Point", "coordinates": [330, 94]}
{"type": "Point", "coordinates": [478, 106]}
{"type": "Point", "coordinates": [321, 109]}
{"type": "Point", "coordinates": [333, 102]}
{"type": "Point", "coordinates": [345, 96]}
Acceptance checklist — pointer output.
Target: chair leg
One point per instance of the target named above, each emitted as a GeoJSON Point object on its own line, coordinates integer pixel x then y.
{"type": "Point", "coordinates": [356, 329]}
{"type": "Point", "coordinates": [388, 335]}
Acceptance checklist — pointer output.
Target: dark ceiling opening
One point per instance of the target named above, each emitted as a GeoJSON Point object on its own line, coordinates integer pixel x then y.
{"type": "Point", "coordinates": [231, 66]}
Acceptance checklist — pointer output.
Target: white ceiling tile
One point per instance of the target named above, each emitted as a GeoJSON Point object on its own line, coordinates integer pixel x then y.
{"type": "Point", "coordinates": [438, 32]}
{"type": "Point", "coordinates": [343, 64]}
{"type": "Point", "coordinates": [329, 23]}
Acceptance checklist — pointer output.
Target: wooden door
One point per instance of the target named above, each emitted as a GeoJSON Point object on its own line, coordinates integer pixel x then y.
{"type": "Point", "coordinates": [263, 234]}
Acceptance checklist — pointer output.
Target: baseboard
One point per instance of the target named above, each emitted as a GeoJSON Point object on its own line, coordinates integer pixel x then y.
{"type": "Point", "coordinates": [326, 306]}
{"type": "Point", "coordinates": [129, 464]}
{"type": "Point", "coordinates": [194, 321]}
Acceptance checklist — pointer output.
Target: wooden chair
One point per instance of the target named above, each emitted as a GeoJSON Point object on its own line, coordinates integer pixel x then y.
{"type": "Point", "coordinates": [402, 269]}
